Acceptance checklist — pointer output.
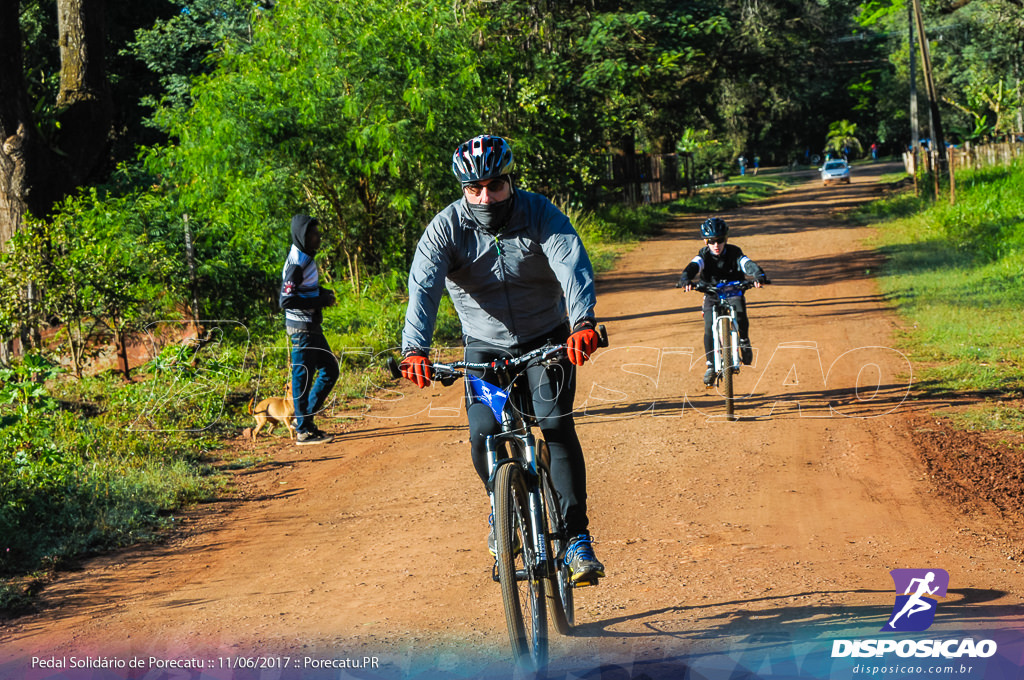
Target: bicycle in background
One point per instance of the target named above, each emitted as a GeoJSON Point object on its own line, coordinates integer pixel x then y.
{"type": "Point", "coordinates": [726, 359]}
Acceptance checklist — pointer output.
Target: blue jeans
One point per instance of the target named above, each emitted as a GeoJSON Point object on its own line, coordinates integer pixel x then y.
{"type": "Point", "coordinates": [311, 356]}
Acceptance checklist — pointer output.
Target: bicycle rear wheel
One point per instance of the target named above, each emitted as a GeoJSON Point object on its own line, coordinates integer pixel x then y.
{"type": "Point", "coordinates": [558, 588]}
{"type": "Point", "coordinates": [522, 589]}
{"type": "Point", "coordinates": [725, 329]}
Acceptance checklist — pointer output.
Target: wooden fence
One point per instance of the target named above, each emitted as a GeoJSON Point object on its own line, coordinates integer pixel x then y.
{"type": "Point", "coordinates": [644, 178]}
{"type": "Point", "coordinates": [966, 157]}
{"type": "Point", "coordinates": [972, 156]}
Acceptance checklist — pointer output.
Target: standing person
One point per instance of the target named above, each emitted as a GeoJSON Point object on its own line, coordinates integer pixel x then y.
{"type": "Point", "coordinates": [757, 164]}
{"type": "Point", "coordinates": [519, 277]}
{"type": "Point", "coordinates": [302, 299]}
{"type": "Point", "coordinates": [743, 165]}
{"type": "Point", "coordinates": [718, 262]}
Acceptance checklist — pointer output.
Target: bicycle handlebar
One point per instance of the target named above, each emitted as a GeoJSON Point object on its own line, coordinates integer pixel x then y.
{"type": "Point", "coordinates": [447, 373]}
{"type": "Point", "coordinates": [704, 287]}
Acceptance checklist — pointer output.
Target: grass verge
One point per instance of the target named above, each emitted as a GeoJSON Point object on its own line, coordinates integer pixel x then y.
{"type": "Point", "coordinates": [953, 273]}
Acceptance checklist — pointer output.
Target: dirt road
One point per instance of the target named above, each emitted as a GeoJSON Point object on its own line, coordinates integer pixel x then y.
{"type": "Point", "coordinates": [744, 546]}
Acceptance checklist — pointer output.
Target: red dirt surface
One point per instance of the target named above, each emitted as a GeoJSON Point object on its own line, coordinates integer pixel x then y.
{"type": "Point", "coordinates": [729, 546]}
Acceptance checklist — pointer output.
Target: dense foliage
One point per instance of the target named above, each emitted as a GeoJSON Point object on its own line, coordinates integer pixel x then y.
{"type": "Point", "coordinates": [350, 110]}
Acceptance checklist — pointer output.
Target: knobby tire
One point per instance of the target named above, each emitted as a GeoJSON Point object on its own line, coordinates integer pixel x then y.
{"type": "Point", "coordinates": [522, 593]}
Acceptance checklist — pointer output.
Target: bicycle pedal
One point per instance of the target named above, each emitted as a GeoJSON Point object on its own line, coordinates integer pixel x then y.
{"type": "Point", "coordinates": [583, 583]}
{"type": "Point", "coordinates": [494, 572]}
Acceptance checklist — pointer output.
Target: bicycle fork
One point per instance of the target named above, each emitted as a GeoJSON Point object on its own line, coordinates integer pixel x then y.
{"type": "Point", "coordinates": [528, 443]}
{"type": "Point", "coordinates": [726, 324]}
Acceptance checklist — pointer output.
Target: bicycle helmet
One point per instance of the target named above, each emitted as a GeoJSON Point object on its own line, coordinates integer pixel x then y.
{"type": "Point", "coordinates": [714, 227]}
{"type": "Point", "coordinates": [483, 157]}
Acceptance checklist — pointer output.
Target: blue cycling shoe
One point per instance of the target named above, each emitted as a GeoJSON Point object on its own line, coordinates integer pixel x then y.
{"type": "Point", "coordinates": [583, 565]}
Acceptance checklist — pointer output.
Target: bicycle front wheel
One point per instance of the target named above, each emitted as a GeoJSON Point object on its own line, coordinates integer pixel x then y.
{"type": "Point", "coordinates": [558, 588]}
{"type": "Point", "coordinates": [725, 329]}
{"type": "Point", "coordinates": [522, 589]}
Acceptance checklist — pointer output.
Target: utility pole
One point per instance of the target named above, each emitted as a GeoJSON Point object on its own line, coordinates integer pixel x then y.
{"type": "Point", "coordinates": [915, 134]}
{"type": "Point", "coordinates": [938, 141]}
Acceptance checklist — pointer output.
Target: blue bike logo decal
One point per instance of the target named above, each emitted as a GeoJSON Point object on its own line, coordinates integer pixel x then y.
{"type": "Point", "coordinates": [494, 397]}
{"type": "Point", "coordinates": [914, 610]}
{"type": "Point", "coordinates": [729, 289]}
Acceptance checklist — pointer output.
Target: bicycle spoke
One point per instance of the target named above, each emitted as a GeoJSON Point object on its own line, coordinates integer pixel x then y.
{"type": "Point", "coordinates": [522, 592]}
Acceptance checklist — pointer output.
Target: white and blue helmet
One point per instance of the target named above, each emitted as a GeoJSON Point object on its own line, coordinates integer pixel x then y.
{"type": "Point", "coordinates": [483, 157]}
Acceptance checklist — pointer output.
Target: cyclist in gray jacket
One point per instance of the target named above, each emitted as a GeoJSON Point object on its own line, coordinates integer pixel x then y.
{"type": "Point", "coordinates": [519, 277]}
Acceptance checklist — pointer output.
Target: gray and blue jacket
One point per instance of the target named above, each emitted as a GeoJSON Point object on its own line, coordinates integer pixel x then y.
{"type": "Point", "coordinates": [301, 297]}
{"type": "Point", "coordinates": [509, 288]}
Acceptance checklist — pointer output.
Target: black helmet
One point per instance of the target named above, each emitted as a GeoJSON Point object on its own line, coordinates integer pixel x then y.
{"type": "Point", "coordinates": [714, 227]}
{"type": "Point", "coordinates": [483, 157]}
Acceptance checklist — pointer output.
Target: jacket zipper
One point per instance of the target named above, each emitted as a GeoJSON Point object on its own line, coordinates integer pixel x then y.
{"type": "Point", "coordinates": [504, 283]}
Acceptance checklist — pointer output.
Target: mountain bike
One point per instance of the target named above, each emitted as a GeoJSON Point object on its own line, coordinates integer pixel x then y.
{"type": "Point", "coordinates": [726, 358]}
{"type": "Point", "coordinates": [530, 531]}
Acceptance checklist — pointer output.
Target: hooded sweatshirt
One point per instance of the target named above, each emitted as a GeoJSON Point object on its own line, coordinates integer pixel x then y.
{"type": "Point", "coordinates": [301, 297]}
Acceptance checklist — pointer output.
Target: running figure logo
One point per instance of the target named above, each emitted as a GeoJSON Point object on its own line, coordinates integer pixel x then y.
{"type": "Point", "coordinates": [914, 611]}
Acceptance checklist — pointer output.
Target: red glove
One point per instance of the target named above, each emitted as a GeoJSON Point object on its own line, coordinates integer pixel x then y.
{"type": "Point", "coordinates": [417, 369]}
{"type": "Point", "coordinates": [582, 344]}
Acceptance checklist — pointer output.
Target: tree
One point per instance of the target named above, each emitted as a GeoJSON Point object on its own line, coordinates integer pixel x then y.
{"type": "Point", "coordinates": [184, 45]}
{"type": "Point", "coordinates": [842, 138]}
{"type": "Point", "coordinates": [101, 274]}
{"type": "Point", "coordinates": [70, 98]}
{"type": "Point", "coordinates": [36, 172]}
{"type": "Point", "coordinates": [348, 110]}
{"type": "Point", "coordinates": [574, 81]}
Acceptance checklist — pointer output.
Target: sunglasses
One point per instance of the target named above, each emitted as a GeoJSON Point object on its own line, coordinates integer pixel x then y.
{"type": "Point", "coordinates": [496, 184]}
{"type": "Point", "coordinates": [715, 241]}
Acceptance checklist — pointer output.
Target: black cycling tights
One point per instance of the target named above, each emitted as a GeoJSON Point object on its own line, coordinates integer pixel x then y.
{"type": "Point", "coordinates": [554, 389]}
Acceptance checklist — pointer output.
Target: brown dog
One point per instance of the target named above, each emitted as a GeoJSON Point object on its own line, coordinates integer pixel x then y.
{"type": "Point", "coordinates": [274, 410]}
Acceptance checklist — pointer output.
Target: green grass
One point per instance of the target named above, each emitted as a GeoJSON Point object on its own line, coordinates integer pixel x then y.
{"type": "Point", "coordinates": [76, 479]}
{"type": "Point", "coordinates": [954, 274]}
{"type": "Point", "coordinates": [993, 414]}
{"type": "Point", "coordinates": [608, 231]}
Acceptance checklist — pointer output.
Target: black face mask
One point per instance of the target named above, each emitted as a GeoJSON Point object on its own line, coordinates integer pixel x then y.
{"type": "Point", "coordinates": [492, 217]}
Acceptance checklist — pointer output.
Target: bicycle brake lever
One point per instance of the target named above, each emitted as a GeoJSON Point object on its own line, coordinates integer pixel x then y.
{"type": "Point", "coordinates": [392, 365]}
{"type": "Point", "coordinates": [552, 355]}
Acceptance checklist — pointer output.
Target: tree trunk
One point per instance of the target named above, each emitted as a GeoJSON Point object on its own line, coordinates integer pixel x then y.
{"type": "Point", "coordinates": [33, 173]}
{"type": "Point", "coordinates": [13, 117]}
{"type": "Point", "coordinates": [122, 353]}
{"type": "Point", "coordinates": [84, 100]}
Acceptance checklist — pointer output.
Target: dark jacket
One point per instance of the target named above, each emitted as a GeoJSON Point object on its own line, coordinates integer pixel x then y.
{"type": "Point", "coordinates": [302, 298]}
{"type": "Point", "coordinates": [731, 265]}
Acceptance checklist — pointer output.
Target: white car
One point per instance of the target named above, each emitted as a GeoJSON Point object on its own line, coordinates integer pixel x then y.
{"type": "Point", "coordinates": [836, 170]}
